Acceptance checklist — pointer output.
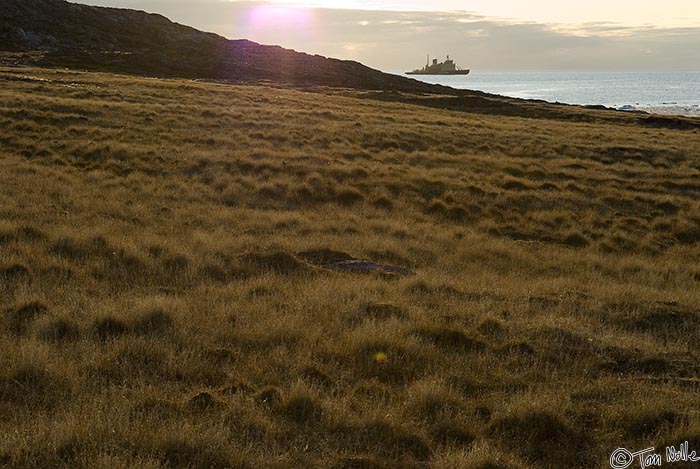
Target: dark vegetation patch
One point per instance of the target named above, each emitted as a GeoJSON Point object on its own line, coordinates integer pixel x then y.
{"type": "Point", "coordinates": [80, 250]}
{"type": "Point", "coordinates": [17, 319]}
{"type": "Point", "coordinates": [316, 377]}
{"type": "Point", "coordinates": [385, 440]}
{"type": "Point", "coordinates": [449, 339]}
{"type": "Point", "coordinates": [22, 234]}
{"type": "Point", "coordinates": [14, 273]}
{"type": "Point", "coordinates": [156, 322]}
{"type": "Point", "coordinates": [453, 434]}
{"type": "Point", "coordinates": [176, 263]}
{"type": "Point", "coordinates": [624, 361]}
{"type": "Point", "coordinates": [677, 123]}
{"type": "Point", "coordinates": [422, 290]}
{"type": "Point", "coordinates": [160, 409]}
{"type": "Point", "coordinates": [666, 320]}
{"type": "Point", "coordinates": [639, 424]}
{"type": "Point", "coordinates": [435, 406]}
{"type": "Point", "coordinates": [517, 349]}
{"type": "Point", "coordinates": [203, 401]}
{"type": "Point", "coordinates": [452, 212]}
{"type": "Point", "coordinates": [361, 462]}
{"type": "Point", "coordinates": [268, 397]}
{"type": "Point", "coordinates": [32, 386]}
{"type": "Point", "coordinates": [303, 409]}
{"type": "Point", "coordinates": [110, 328]}
{"type": "Point", "coordinates": [277, 262]}
{"type": "Point", "coordinates": [132, 361]}
{"type": "Point", "coordinates": [575, 240]}
{"type": "Point", "coordinates": [382, 202]}
{"type": "Point", "coordinates": [181, 453]}
{"type": "Point", "coordinates": [60, 331]}
{"type": "Point", "coordinates": [324, 256]}
{"type": "Point", "coordinates": [541, 437]}
{"type": "Point", "coordinates": [378, 312]}
{"type": "Point", "coordinates": [58, 274]}
{"type": "Point", "coordinates": [492, 328]}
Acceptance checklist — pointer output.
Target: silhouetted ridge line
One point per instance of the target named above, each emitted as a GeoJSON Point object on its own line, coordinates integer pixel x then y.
{"type": "Point", "coordinates": [130, 41]}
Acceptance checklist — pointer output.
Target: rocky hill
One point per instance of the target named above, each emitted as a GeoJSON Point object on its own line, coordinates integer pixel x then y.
{"type": "Point", "coordinates": [121, 40]}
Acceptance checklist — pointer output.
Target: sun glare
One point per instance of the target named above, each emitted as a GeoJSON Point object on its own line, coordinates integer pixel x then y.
{"type": "Point", "coordinates": [672, 13]}
{"type": "Point", "coordinates": [262, 17]}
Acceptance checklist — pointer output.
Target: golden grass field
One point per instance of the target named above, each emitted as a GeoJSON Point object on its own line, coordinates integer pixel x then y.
{"type": "Point", "coordinates": [163, 300]}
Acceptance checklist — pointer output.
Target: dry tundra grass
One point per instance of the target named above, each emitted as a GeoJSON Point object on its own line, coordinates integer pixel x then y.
{"type": "Point", "coordinates": [164, 300]}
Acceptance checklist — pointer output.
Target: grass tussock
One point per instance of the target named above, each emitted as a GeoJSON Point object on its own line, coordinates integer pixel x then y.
{"type": "Point", "coordinates": [450, 339]}
{"type": "Point", "coordinates": [30, 386]}
{"type": "Point", "coordinates": [18, 319]}
{"type": "Point", "coordinates": [170, 297]}
{"type": "Point", "coordinates": [60, 331]}
{"type": "Point", "coordinates": [541, 437]}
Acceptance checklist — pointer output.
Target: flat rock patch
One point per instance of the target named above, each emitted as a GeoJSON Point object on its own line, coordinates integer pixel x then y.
{"type": "Point", "coordinates": [340, 261]}
{"type": "Point", "coordinates": [325, 259]}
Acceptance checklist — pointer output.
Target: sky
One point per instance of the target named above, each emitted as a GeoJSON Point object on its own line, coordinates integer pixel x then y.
{"type": "Point", "coordinates": [478, 34]}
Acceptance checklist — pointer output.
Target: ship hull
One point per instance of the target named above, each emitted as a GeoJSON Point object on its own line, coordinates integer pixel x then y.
{"type": "Point", "coordinates": [456, 72]}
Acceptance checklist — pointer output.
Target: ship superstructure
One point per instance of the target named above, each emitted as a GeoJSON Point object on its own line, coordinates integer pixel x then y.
{"type": "Point", "coordinates": [447, 67]}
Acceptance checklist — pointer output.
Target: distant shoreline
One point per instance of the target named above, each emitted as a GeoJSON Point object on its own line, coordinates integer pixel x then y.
{"type": "Point", "coordinates": [690, 110]}
{"type": "Point", "coordinates": [669, 93]}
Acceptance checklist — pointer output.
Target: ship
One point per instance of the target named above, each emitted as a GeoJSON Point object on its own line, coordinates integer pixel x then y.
{"type": "Point", "coordinates": [447, 67]}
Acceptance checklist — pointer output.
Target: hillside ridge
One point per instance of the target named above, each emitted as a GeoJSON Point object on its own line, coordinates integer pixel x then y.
{"type": "Point", "coordinates": [123, 40]}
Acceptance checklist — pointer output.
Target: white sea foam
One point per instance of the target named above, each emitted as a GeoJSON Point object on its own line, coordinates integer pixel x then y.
{"type": "Point", "coordinates": [658, 92]}
{"type": "Point", "coordinates": [692, 110]}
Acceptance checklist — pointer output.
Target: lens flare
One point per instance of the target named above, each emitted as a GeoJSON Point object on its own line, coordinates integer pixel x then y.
{"type": "Point", "coordinates": [280, 17]}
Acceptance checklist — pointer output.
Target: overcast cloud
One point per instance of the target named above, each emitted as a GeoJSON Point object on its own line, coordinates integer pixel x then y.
{"type": "Point", "coordinates": [397, 41]}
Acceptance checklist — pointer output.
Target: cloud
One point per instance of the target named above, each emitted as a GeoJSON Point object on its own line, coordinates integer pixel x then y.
{"type": "Point", "coordinates": [395, 40]}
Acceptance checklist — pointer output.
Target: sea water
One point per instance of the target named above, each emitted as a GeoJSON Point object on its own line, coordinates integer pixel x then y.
{"type": "Point", "coordinates": [668, 92]}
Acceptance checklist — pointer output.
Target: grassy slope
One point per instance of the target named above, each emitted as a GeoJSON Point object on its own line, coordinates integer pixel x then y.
{"type": "Point", "coordinates": [157, 310]}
